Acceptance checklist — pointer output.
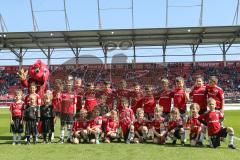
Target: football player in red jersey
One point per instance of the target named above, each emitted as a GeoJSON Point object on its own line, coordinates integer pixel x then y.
{"type": "Point", "coordinates": [95, 126]}
{"type": "Point", "coordinates": [80, 127]}
{"type": "Point", "coordinates": [159, 126]}
{"type": "Point", "coordinates": [90, 99]}
{"type": "Point", "coordinates": [16, 110]}
{"type": "Point", "coordinates": [107, 92]}
{"type": "Point", "coordinates": [215, 92]}
{"type": "Point", "coordinates": [180, 97]}
{"type": "Point", "coordinates": [165, 98]}
{"type": "Point", "coordinates": [175, 127]}
{"type": "Point", "coordinates": [120, 93]}
{"type": "Point", "coordinates": [140, 127]}
{"type": "Point", "coordinates": [199, 95]}
{"type": "Point", "coordinates": [79, 91]}
{"type": "Point", "coordinates": [112, 125]}
{"type": "Point", "coordinates": [195, 126]}
{"type": "Point", "coordinates": [69, 100]}
{"type": "Point", "coordinates": [135, 97]}
{"type": "Point", "coordinates": [212, 119]}
{"type": "Point", "coordinates": [148, 103]}
{"type": "Point", "coordinates": [126, 120]}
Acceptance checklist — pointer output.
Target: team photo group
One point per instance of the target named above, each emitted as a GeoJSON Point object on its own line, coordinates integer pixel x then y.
{"type": "Point", "coordinates": [90, 113]}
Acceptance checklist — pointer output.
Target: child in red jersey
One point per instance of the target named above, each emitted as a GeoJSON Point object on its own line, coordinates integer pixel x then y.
{"type": "Point", "coordinates": [159, 125]}
{"type": "Point", "coordinates": [140, 127]}
{"type": "Point", "coordinates": [126, 120]}
{"type": "Point", "coordinates": [198, 94]}
{"type": "Point", "coordinates": [80, 127]}
{"type": "Point", "coordinates": [57, 100]}
{"type": "Point", "coordinates": [107, 92]}
{"type": "Point", "coordinates": [16, 110]}
{"type": "Point", "coordinates": [213, 119]}
{"type": "Point", "coordinates": [120, 93]}
{"type": "Point", "coordinates": [165, 98]}
{"type": "Point", "coordinates": [95, 126]}
{"type": "Point", "coordinates": [195, 126]}
{"type": "Point", "coordinates": [112, 126]}
{"type": "Point", "coordinates": [90, 100]}
{"type": "Point", "coordinates": [79, 91]}
{"type": "Point", "coordinates": [175, 127]}
{"type": "Point", "coordinates": [215, 92]}
{"type": "Point", "coordinates": [69, 100]}
{"type": "Point", "coordinates": [180, 97]}
{"type": "Point", "coordinates": [135, 98]}
{"type": "Point", "coordinates": [148, 103]}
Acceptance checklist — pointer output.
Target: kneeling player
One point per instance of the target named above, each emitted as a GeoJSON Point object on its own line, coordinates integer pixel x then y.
{"type": "Point", "coordinates": [140, 127]}
{"type": "Point", "coordinates": [80, 127]}
{"type": "Point", "coordinates": [112, 126]}
{"type": "Point", "coordinates": [126, 121]}
{"type": "Point", "coordinates": [175, 127]}
{"type": "Point", "coordinates": [95, 126]}
{"type": "Point", "coordinates": [213, 119]}
{"type": "Point", "coordinates": [195, 126]}
{"type": "Point", "coordinates": [159, 126]}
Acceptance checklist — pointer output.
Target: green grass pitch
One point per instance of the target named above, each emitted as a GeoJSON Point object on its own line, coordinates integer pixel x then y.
{"type": "Point", "coordinates": [114, 151]}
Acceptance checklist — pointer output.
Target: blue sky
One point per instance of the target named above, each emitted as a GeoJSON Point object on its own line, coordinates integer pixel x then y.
{"type": "Point", "coordinates": [82, 15]}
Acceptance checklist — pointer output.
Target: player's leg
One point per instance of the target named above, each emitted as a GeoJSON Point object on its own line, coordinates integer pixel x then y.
{"type": "Point", "coordinates": [230, 132]}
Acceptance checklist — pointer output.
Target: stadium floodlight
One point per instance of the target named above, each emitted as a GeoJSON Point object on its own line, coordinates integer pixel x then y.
{"type": "Point", "coordinates": [112, 32]}
{"type": "Point", "coordinates": [51, 34]}
{"type": "Point", "coordinates": [189, 30]}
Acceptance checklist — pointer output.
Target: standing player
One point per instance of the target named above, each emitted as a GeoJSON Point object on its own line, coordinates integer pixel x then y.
{"type": "Point", "coordinates": [215, 92]}
{"type": "Point", "coordinates": [47, 118]}
{"type": "Point", "coordinates": [180, 97]}
{"type": "Point", "coordinates": [31, 118]}
{"type": "Point", "coordinates": [135, 98]}
{"type": "Point", "coordinates": [16, 110]}
{"type": "Point", "coordinates": [212, 119]}
{"type": "Point", "coordinates": [165, 98]}
{"type": "Point", "coordinates": [79, 91]}
{"type": "Point", "coordinates": [120, 93]}
{"type": "Point", "coordinates": [199, 94]}
{"type": "Point", "coordinates": [69, 100]}
{"type": "Point", "coordinates": [90, 99]}
{"type": "Point", "coordinates": [108, 93]}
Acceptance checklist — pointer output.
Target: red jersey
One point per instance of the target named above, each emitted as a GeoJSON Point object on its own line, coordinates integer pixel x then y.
{"type": "Point", "coordinates": [194, 124]}
{"type": "Point", "coordinates": [95, 123]}
{"type": "Point", "coordinates": [199, 96]}
{"type": "Point", "coordinates": [139, 123]}
{"type": "Point", "coordinates": [165, 100]}
{"type": "Point", "coordinates": [148, 103]}
{"type": "Point", "coordinates": [119, 94]}
{"type": "Point", "coordinates": [158, 124]}
{"type": "Point", "coordinates": [108, 93]}
{"type": "Point", "coordinates": [38, 99]}
{"type": "Point", "coordinates": [112, 125]}
{"type": "Point", "coordinates": [179, 99]}
{"type": "Point", "coordinates": [135, 100]}
{"type": "Point", "coordinates": [175, 124]}
{"type": "Point", "coordinates": [69, 101]}
{"type": "Point", "coordinates": [79, 93]}
{"type": "Point", "coordinates": [90, 101]}
{"type": "Point", "coordinates": [213, 121]}
{"type": "Point", "coordinates": [126, 117]}
{"type": "Point", "coordinates": [57, 101]}
{"type": "Point", "coordinates": [80, 124]}
{"type": "Point", "coordinates": [217, 94]}
{"type": "Point", "coordinates": [16, 109]}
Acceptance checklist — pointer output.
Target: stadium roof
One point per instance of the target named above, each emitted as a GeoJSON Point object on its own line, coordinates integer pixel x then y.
{"type": "Point", "coordinates": [139, 37]}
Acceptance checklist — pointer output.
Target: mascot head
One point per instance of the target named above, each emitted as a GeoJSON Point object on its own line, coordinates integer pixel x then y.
{"type": "Point", "coordinates": [39, 72]}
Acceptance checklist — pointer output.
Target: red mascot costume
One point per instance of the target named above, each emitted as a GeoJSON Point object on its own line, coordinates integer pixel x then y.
{"type": "Point", "coordinates": [37, 73]}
